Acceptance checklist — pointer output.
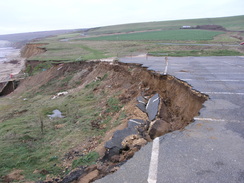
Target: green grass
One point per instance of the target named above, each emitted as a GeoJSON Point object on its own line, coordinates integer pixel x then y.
{"type": "Point", "coordinates": [79, 48]}
{"type": "Point", "coordinates": [235, 23]}
{"type": "Point", "coordinates": [88, 159]}
{"type": "Point", "coordinates": [179, 35]}
{"type": "Point", "coordinates": [176, 53]}
{"type": "Point", "coordinates": [26, 146]}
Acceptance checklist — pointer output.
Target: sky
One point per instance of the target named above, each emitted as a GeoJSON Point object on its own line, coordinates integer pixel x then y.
{"type": "Point", "coordinates": [18, 16]}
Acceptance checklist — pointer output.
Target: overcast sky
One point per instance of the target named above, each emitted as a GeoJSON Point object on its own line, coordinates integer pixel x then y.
{"type": "Point", "coordinates": [39, 15]}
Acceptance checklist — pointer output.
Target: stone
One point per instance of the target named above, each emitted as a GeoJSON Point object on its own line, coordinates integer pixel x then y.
{"type": "Point", "coordinates": [159, 128]}
{"type": "Point", "coordinates": [152, 107]}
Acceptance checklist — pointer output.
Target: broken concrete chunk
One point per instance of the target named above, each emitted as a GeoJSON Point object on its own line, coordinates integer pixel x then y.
{"type": "Point", "coordinates": [142, 103]}
{"type": "Point", "coordinates": [134, 123]}
{"type": "Point", "coordinates": [142, 107]}
{"type": "Point", "coordinates": [56, 114]}
{"type": "Point", "coordinates": [141, 99]}
{"type": "Point", "coordinates": [115, 144]}
{"type": "Point", "coordinates": [118, 137]}
{"type": "Point", "coordinates": [159, 128]}
{"type": "Point", "coordinates": [152, 107]}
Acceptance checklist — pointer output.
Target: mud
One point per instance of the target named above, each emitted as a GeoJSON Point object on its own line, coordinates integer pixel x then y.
{"type": "Point", "coordinates": [178, 104]}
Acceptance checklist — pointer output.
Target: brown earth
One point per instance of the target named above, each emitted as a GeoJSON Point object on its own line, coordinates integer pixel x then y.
{"type": "Point", "coordinates": [32, 49]}
{"type": "Point", "coordinates": [179, 103]}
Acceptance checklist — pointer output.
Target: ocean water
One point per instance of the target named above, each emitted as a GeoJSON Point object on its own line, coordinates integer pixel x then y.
{"type": "Point", "coordinates": [4, 52]}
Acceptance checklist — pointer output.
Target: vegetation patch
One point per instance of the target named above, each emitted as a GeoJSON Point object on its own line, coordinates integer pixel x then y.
{"type": "Point", "coordinates": [183, 53]}
{"type": "Point", "coordinates": [85, 160]}
{"type": "Point", "coordinates": [182, 35]}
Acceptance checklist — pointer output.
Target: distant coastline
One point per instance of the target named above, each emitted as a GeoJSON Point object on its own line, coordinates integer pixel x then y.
{"type": "Point", "coordinates": [9, 54]}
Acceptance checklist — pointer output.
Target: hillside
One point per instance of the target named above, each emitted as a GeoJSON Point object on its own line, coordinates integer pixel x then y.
{"type": "Point", "coordinates": [235, 23]}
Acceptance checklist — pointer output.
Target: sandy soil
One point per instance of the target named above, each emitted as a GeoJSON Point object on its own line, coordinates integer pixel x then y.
{"type": "Point", "coordinates": [13, 65]}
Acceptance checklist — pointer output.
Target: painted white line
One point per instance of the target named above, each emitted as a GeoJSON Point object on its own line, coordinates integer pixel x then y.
{"type": "Point", "coordinates": [223, 93]}
{"type": "Point", "coordinates": [198, 73]}
{"type": "Point", "coordinates": [141, 102]}
{"type": "Point", "coordinates": [153, 167]}
{"type": "Point", "coordinates": [166, 67]}
{"type": "Point", "coordinates": [186, 79]}
{"type": "Point", "coordinates": [215, 80]}
{"type": "Point", "coordinates": [209, 119]}
{"type": "Point", "coordinates": [148, 103]}
{"type": "Point", "coordinates": [226, 80]}
{"type": "Point", "coordinates": [134, 121]}
{"type": "Point", "coordinates": [155, 99]}
{"type": "Point", "coordinates": [215, 119]}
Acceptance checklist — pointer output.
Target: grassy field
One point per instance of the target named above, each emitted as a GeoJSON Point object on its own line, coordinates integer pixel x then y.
{"type": "Point", "coordinates": [97, 44]}
{"type": "Point", "coordinates": [167, 35]}
{"type": "Point", "coordinates": [235, 23]}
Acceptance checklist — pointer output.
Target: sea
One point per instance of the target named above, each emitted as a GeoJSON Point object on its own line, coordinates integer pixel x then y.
{"type": "Point", "coordinates": [6, 50]}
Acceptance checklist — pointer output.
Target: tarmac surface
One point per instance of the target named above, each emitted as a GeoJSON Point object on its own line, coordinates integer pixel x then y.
{"type": "Point", "coordinates": [210, 150]}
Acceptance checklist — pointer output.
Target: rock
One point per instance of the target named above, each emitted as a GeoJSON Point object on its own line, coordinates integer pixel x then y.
{"type": "Point", "coordinates": [152, 107]}
{"type": "Point", "coordinates": [159, 128]}
{"type": "Point", "coordinates": [133, 140]}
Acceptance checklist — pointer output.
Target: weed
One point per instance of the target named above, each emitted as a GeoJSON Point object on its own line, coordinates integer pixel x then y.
{"type": "Point", "coordinates": [41, 67]}
{"type": "Point", "coordinates": [113, 105]}
{"type": "Point", "coordinates": [88, 159]}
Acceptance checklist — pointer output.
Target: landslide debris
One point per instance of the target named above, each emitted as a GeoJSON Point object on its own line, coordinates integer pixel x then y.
{"type": "Point", "coordinates": [154, 104]}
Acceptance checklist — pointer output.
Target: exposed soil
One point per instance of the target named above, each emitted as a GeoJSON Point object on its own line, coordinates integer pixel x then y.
{"type": "Point", "coordinates": [178, 105]}
{"type": "Point", "coordinates": [32, 49]}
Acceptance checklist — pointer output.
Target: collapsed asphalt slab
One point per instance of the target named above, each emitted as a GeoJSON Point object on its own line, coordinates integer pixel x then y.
{"type": "Point", "coordinates": [211, 148]}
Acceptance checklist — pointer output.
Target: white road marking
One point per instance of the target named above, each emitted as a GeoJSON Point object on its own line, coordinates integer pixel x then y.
{"type": "Point", "coordinates": [166, 67]}
{"type": "Point", "coordinates": [153, 168]}
{"type": "Point", "coordinates": [141, 102]}
{"type": "Point", "coordinates": [198, 73]}
{"type": "Point", "coordinates": [227, 80]}
{"type": "Point", "coordinates": [223, 93]}
{"type": "Point", "coordinates": [134, 121]}
{"type": "Point", "coordinates": [216, 80]}
{"type": "Point", "coordinates": [155, 99]}
{"type": "Point", "coordinates": [148, 103]}
{"type": "Point", "coordinates": [215, 119]}
{"type": "Point", "coordinates": [208, 119]}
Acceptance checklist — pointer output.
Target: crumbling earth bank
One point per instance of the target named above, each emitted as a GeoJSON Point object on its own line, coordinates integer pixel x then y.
{"type": "Point", "coordinates": [156, 104]}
